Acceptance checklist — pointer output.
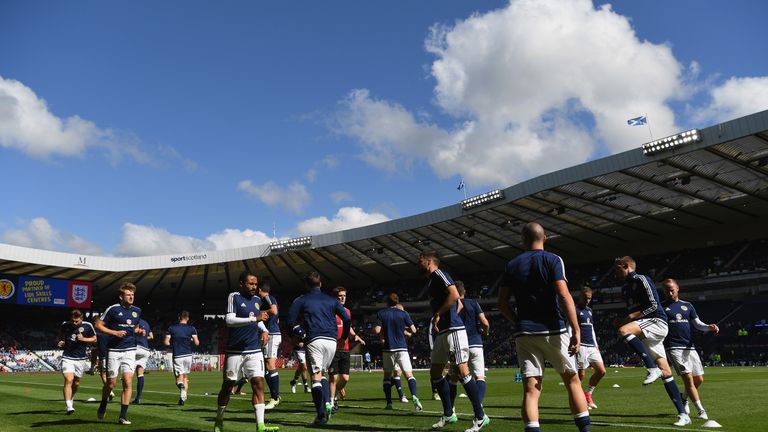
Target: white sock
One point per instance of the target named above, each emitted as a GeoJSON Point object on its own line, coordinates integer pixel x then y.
{"type": "Point", "coordinates": [69, 404]}
{"type": "Point", "coordinates": [259, 410]}
{"type": "Point", "coordinates": [699, 406]}
{"type": "Point", "coordinates": [184, 395]}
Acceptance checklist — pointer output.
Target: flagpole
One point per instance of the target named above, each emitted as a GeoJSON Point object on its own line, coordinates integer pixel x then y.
{"type": "Point", "coordinates": [647, 123]}
{"type": "Point", "coordinates": [465, 190]}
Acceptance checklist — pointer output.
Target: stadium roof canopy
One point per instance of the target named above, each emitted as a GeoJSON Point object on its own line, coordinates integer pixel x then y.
{"type": "Point", "coordinates": [710, 190]}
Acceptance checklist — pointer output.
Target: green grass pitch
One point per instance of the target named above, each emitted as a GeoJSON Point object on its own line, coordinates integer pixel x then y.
{"type": "Point", "coordinates": [733, 396]}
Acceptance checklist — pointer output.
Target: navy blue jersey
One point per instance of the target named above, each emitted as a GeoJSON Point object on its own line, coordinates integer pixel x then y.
{"type": "Point", "coordinates": [680, 317]}
{"type": "Point", "coordinates": [141, 341]}
{"type": "Point", "coordinates": [273, 322]}
{"type": "Point", "coordinates": [532, 276]}
{"type": "Point", "coordinates": [318, 312]}
{"type": "Point", "coordinates": [102, 340]}
{"type": "Point", "coordinates": [642, 296]}
{"type": "Point", "coordinates": [117, 318]}
{"type": "Point", "coordinates": [245, 339]}
{"type": "Point", "coordinates": [438, 284]}
{"type": "Point", "coordinates": [469, 315]}
{"type": "Point", "coordinates": [393, 323]}
{"type": "Point", "coordinates": [584, 316]}
{"type": "Point", "coordinates": [73, 348]}
{"type": "Point", "coordinates": [181, 339]}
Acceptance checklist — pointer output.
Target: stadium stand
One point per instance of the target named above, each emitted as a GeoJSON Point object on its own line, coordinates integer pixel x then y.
{"type": "Point", "coordinates": [694, 213]}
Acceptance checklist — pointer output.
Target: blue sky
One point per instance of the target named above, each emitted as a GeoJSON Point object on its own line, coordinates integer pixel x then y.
{"type": "Point", "coordinates": [142, 128]}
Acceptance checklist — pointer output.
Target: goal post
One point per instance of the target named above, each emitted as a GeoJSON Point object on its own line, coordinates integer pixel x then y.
{"type": "Point", "coordinates": [356, 361]}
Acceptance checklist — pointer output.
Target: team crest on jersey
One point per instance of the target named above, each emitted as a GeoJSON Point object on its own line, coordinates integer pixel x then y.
{"type": "Point", "coordinates": [128, 322]}
{"type": "Point", "coordinates": [679, 316]}
{"type": "Point", "coordinates": [133, 314]}
{"type": "Point", "coordinates": [685, 308]}
{"type": "Point", "coordinates": [7, 289]}
{"type": "Point", "coordinates": [80, 330]}
{"type": "Point", "coordinates": [242, 304]}
{"type": "Point", "coordinates": [231, 374]}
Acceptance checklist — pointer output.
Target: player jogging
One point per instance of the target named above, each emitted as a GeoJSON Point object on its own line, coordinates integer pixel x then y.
{"type": "Point", "coordinates": [644, 329]}
{"type": "Point", "coordinates": [477, 326]}
{"type": "Point", "coordinates": [391, 326]}
{"type": "Point", "coordinates": [244, 350]}
{"type": "Point", "coordinates": [142, 355]}
{"type": "Point", "coordinates": [589, 354]}
{"type": "Point", "coordinates": [537, 279]}
{"type": "Point", "coordinates": [450, 343]}
{"type": "Point", "coordinates": [269, 304]}
{"type": "Point", "coordinates": [121, 322]}
{"type": "Point", "coordinates": [682, 318]}
{"type": "Point", "coordinates": [74, 337]}
{"type": "Point", "coordinates": [300, 355]}
{"type": "Point", "coordinates": [181, 336]}
{"type": "Point", "coordinates": [318, 311]}
{"type": "Point", "coordinates": [339, 370]}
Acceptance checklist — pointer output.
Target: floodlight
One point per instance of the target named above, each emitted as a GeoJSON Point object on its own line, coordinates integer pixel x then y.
{"type": "Point", "coordinates": [291, 244]}
{"type": "Point", "coordinates": [671, 142]}
{"type": "Point", "coordinates": [482, 199]}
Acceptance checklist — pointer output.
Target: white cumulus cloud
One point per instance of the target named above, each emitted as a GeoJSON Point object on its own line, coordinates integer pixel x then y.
{"type": "Point", "coordinates": [147, 240]}
{"type": "Point", "coordinates": [529, 88]}
{"type": "Point", "coordinates": [294, 197]}
{"type": "Point", "coordinates": [231, 238]}
{"type": "Point", "coordinates": [345, 218]}
{"type": "Point", "coordinates": [38, 233]}
{"type": "Point", "coordinates": [27, 125]}
{"type": "Point", "coordinates": [143, 240]}
{"type": "Point", "coordinates": [735, 98]}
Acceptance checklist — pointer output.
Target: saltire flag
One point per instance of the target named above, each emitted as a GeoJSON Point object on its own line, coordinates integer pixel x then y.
{"type": "Point", "coordinates": [637, 121]}
{"type": "Point", "coordinates": [461, 185]}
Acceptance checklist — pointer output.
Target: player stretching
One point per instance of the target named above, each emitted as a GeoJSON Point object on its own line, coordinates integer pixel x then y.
{"type": "Point", "coordinates": [273, 343]}
{"type": "Point", "coordinates": [391, 325]}
{"type": "Point", "coordinates": [537, 279]}
{"type": "Point", "coordinates": [318, 312]}
{"type": "Point", "coordinates": [121, 322]}
{"type": "Point", "coordinates": [339, 370]}
{"type": "Point", "coordinates": [244, 350]}
{"type": "Point", "coordinates": [181, 336]}
{"type": "Point", "coordinates": [645, 327]}
{"type": "Point", "coordinates": [450, 343]}
{"type": "Point", "coordinates": [74, 336]}
{"type": "Point", "coordinates": [589, 354]}
{"type": "Point", "coordinates": [142, 355]}
{"type": "Point", "coordinates": [682, 317]}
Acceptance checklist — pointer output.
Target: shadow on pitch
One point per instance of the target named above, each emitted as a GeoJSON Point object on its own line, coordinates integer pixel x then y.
{"type": "Point", "coordinates": [36, 412]}
{"type": "Point", "coordinates": [162, 430]}
{"type": "Point", "coordinates": [62, 422]}
{"type": "Point", "coordinates": [344, 427]}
